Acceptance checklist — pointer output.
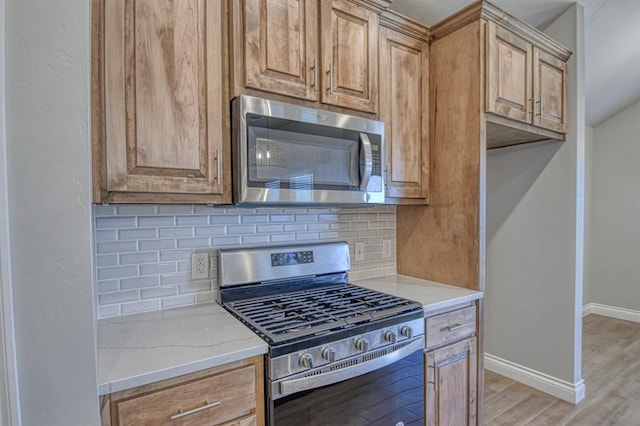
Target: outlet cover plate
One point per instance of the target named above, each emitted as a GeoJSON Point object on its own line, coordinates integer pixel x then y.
{"type": "Point", "coordinates": [199, 266]}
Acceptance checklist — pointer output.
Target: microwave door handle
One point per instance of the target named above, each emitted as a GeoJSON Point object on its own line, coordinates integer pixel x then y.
{"type": "Point", "coordinates": [366, 161]}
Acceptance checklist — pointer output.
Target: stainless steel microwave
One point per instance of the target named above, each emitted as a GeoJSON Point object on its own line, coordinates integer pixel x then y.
{"type": "Point", "coordinates": [285, 154]}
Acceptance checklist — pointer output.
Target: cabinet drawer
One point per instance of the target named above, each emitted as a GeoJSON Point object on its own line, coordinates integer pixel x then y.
{"type": "Point", "coordinates": [450, 327]}
{"type": "Point", "coordinates": [211, 400]}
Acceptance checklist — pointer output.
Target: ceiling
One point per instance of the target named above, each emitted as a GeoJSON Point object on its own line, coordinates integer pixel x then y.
{"type": "Point", "coordinates": [612, 43]}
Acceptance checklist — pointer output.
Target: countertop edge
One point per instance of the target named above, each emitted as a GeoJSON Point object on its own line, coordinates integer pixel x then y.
{"type": "Point", "coordinates": [452, 302]}
{"type": "Point", "coordinates": [180, 370]}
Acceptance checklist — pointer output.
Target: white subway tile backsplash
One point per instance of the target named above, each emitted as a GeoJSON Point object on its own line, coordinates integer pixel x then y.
{"type": "Point", "coordinates": [253, 218]}
{"type": "Point", "coordinates": [254, 239]}
{"type": "Point", "coordinates": [106, 235]}
{"type": "Point", "coordinates": [158, 292]}
{"type": "Point", "coordinates": [117, 297]}
{"type": "Point", "coordinates": [194, 287]}
{"type": "Point", "coordinates": [117, 272]}
{"type": "Point", "coordinates": [175, 232]}
{"type": "Point", "coordinates": [192, 220]}
{"type": "Point", "coordinates": [283, 238]}
{"type": "Point", "coordinates": [210, 230]}
{"type": "Point", "coordinates": [136, 209]}
{"type": "Point", "coordinates": [225, 241]}
{"type": "Point", "coordinates": [106, 260]}
{"type": "Point", "coordinates": [116, 247]}
{"type": "Point", "coordinates": [224, 220]}
{"type": "Point", "coordinates": [175, 209]}
{"type": "Point", "coordinates": [158, 268]}
{"type": "Point", "coordinates": [182, 300]}
{"type": "Point", "coordinates": [108, 311]}
{"type": "Point", "coordinates": [139, 282]}
{"type": "Point", "coordinates": [108, 285]}
{"type": "Point", "coordinates": [185, 243]}
{"type": "Point", "coordinates": [137, 258]}
{"type": "Point", "coordinates": [134, 307]}
{"type": "Point", "coordinates": [179, 278]}
{"type": "Point", "coordinates": [138, 234]}
{"type": "Point", "coordinates": [143, 252]}
{"type": "Point", "coordinates": [157, 221]}
{"type": "Point", "coordinates": [157, 245]}
{"type": "Point", "coordinates": [115, 222]}
{"type": "Point", "coordinates": [166, 256]}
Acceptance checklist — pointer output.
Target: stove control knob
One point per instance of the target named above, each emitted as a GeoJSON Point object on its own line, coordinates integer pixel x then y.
{"type": "Point", "coordinates": [407, 332]}
{"type": "Point", "coordinates": [362, 344]}
{"type": "Point", "coordinates": [306, 360]}
{"type": "Point", "coordinates": [329, 354]}
{"type": "Point", "coordinates": [390, 336]}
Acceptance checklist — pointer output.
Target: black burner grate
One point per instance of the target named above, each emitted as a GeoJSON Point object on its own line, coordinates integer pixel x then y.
{"type": "Point", "coordinates": [288, 316]}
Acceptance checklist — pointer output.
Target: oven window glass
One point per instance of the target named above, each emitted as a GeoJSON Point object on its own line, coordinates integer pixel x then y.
{"type": "Point", "coordinates": [389, 396]}
{"type": "Point", "coordinates": [285, 154]}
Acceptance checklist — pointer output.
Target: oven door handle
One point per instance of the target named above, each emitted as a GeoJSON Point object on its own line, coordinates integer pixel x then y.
{"type": "Point", "coordinates": [288, 387]}
{"type": "Point", "coordinates": [366, 161]}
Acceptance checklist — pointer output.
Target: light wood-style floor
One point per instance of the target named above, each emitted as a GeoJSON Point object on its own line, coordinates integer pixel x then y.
{"type": "Point", "coordinates": [611, 370]}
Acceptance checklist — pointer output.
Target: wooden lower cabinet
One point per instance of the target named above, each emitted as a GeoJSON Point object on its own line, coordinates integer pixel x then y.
{"type": "Point", "coordinates": [229, 395]}
{"type": "Point", "coordinates": [451, 388]}
{"type": "Point", "coordinates": [452, 385]}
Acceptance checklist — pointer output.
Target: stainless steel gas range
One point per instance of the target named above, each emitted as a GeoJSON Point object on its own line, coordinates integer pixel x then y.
{"type": "Point", "coordinates": [339, 354]}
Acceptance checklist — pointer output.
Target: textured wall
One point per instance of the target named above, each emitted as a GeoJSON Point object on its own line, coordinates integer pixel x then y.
{"type": "Point", "coordinates": [143, 252]}
{"type": "Point", "coordinates": [49, 182]}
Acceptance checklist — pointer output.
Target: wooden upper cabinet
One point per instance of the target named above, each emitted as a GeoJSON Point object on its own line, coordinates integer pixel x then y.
{"type": "Point", "coordinates": [349, 52]}
{"type": "Point", "coordinates": [165, 122]}
{"type": "Point", "coordinates": [404, 108]}
{"type": "Point", "coordinates": [314, 50]}
{"type": "Point", "coordinates": [280, 46]}
{"type": "Point", "coordinates": [509, 82]}
{"type": "Point", "coordinates": [550, 91]}
{"type": "Point", "coordinates": [524, 82]}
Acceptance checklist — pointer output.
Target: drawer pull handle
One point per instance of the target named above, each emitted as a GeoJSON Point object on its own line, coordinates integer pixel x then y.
{"type": "Point", "coordinates": [195, 410]}
{"type": "Point", "coordinates": [457, 326]}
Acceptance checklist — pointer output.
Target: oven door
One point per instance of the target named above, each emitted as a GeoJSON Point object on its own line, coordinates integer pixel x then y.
{"type": "Point", "coordinates": [383, 391]}
{"type": "Point", "coordinates": [287, 154]}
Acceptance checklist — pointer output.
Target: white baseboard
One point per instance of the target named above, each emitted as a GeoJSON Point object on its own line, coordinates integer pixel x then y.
{"type": "Point", "coordinates": [570, 392]}
{"type": "Point", "coordinates": [611, 312]}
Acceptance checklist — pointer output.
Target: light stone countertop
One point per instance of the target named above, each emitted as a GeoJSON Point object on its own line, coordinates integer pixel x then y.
{"type": "Point", "coordinates": [135, 350]}
{"type": "Point", "coordinates": [434, 296]}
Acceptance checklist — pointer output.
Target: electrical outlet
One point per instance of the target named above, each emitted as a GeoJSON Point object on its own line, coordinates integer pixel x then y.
{"type": "Point", "coordinates": [386, 248]}
{"type": "Point", "coordinates": [359, 251]}
{"type": "Point", "coordinates": [199, 266]}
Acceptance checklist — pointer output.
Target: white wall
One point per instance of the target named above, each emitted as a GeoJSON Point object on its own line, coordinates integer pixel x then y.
{"type": "Point", "coordinates": [534, 239]}
{"type": "Point", "coordinates": [614, 261]}
{"type": "Point", "coordinates": [49, 181]}
{"type": "Point", "coordinates": [588, 215]}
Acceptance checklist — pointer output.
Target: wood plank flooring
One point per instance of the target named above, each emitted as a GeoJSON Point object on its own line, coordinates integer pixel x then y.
{"type": "Point", "coordinates": [610, 368]}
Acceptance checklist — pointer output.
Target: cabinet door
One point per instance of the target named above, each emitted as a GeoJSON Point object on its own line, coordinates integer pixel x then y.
{"type": "Point", "coordinates": [509, 67]}
{"type": "Point", "coordinates": [166, 121]}
{"type": "Point", "coordinates": [349, 52]}
{"type": "Point", "coordinates": [451, 384]}
{"type": "Point", "coordinates": [280, 46]}
{"type": "Point", "coordinates": [404, 108]}
{"type": "Point", "coordinates": [549, 90]}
